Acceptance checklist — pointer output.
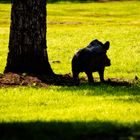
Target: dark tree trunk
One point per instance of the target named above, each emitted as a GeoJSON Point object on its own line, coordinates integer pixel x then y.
{"type": "Point", "coordinates": [27, 43]}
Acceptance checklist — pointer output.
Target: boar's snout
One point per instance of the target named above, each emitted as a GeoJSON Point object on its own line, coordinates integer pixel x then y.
{"type": "Point", "coordinates": [107, 62]}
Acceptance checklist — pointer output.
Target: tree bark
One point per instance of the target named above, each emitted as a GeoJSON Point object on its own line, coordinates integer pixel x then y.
{"type": "Point", "coordinates": [27, 42]}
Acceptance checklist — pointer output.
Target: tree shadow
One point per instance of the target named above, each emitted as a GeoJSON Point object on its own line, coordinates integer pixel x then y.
{"type": "Point", "coordinates": [112, 86]}
{"type": "Point", "coordinates": [94, 130]}
{"type": "Point", "coordinates": [67, 80]}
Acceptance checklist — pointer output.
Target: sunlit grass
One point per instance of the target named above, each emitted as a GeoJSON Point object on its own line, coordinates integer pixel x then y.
{"type": "Point", "coordinates": [73, 26]}
{"type": "Point", "coordinates": [4, 33]}
{"type": "Point", "coordinates": [70, 104]}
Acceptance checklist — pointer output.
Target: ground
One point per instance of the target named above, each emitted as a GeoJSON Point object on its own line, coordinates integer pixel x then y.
{"type": "Point", "coordinates": [13, 79]}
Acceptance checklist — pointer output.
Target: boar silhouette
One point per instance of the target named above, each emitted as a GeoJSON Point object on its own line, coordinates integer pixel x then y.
{"type": "Point", "coordinates": [92, 58]}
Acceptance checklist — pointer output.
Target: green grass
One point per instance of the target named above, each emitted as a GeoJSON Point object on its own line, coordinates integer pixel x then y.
{"type": "Point", "coordinates": [70, 112]}
{"type": "Point", "coordinates": [71, 27]}
{"type": "Point", "coordinates": [99, 111]}
{"type": "Point", "coordinates": [84, 103]}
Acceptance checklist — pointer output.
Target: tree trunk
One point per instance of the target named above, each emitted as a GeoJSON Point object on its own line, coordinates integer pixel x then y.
{"type": "Point", "coordinates": [27, 43]}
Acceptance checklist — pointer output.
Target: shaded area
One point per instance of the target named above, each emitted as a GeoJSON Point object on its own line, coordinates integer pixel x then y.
{"type": "Point", "coordinates": [102, 89]}
{"type": "Point", "coordinates": [96, 130]}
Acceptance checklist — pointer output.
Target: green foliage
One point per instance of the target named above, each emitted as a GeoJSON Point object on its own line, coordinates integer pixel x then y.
{"type": "Point", "coordinates": [85, 111]}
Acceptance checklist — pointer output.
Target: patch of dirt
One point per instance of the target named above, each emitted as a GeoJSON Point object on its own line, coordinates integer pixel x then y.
{"type": "Point", "coordinates": [13, 79]}
{"type": "Point", "coordinates": [65, 22]}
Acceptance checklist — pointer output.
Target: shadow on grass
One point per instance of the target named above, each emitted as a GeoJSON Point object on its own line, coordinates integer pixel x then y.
{"type": "Point", "coordinates": [67, 80]}
{"type": "Point", "coordinates": [104, 89]}
{"type": "Point", "coordinates": [95, 130]}
{"type": "Point", "coordinates": [112, 86]}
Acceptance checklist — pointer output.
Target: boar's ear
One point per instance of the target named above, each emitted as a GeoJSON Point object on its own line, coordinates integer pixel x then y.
{"type": "Point", "coordinates": [106, 45]}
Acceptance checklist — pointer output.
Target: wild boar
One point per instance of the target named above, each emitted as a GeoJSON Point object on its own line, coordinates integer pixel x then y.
{"type": "Point", "coordinates": [92, 58]}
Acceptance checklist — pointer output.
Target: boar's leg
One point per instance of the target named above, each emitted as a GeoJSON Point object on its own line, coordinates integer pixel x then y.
{"type": "Point", "coordinates": [76, 78]}
{"type": "Point", "coordinates": [90, 77]}
{"type": "Point", "coordinates": [101, 74]}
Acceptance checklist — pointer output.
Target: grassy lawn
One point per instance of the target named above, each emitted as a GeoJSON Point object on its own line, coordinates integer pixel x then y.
{"type": "Point", "coordinates": [87, 111]}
